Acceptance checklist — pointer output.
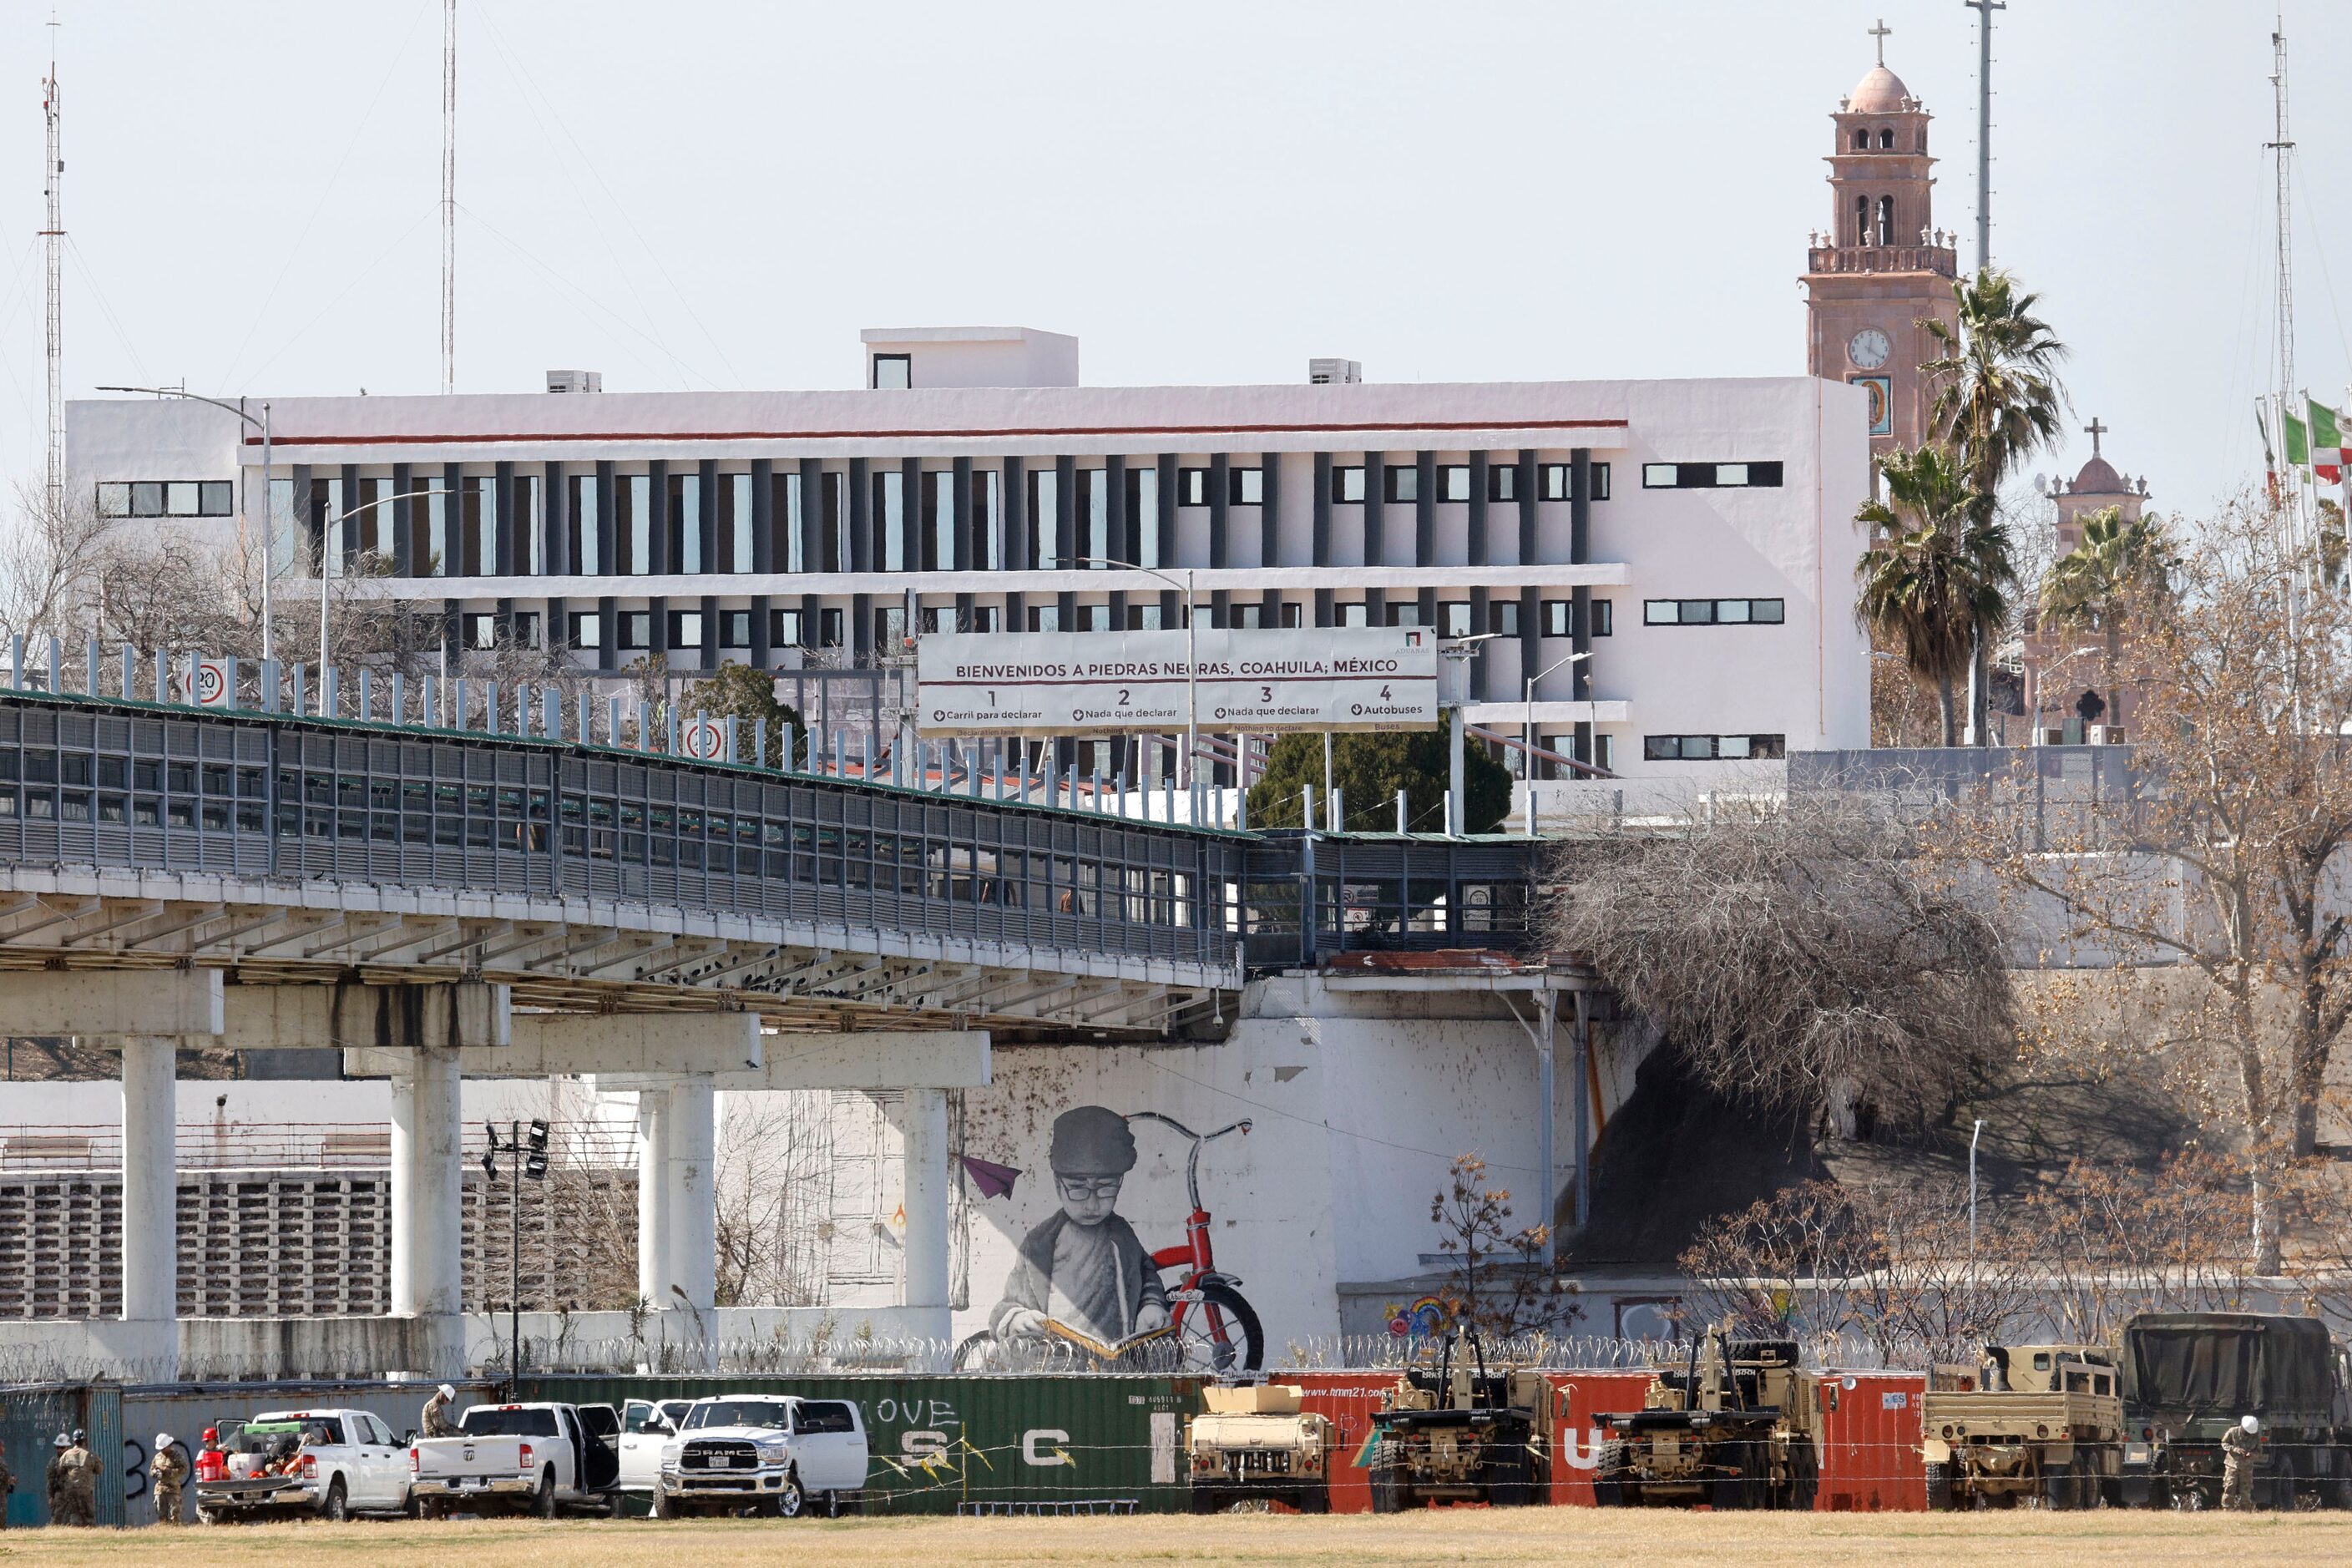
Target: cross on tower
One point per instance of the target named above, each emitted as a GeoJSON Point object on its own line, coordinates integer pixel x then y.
{"type": "Point", "coordinates": [1880, 33]}
{"type": "Point", "coordinates": [2094, 430]}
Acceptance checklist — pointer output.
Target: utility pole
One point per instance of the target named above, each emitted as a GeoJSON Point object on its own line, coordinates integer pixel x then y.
{"type": "Point", "coordinates": [53, 241]}
{"type": "Point", "coordinates": [1984, 10]}
{"type": "Point", "coordinates": [450, 195]}
{"type": "Point", "coordinates": [2282, 149]}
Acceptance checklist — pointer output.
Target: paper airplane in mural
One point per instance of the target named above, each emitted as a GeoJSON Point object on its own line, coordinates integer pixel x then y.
{"type": "Point", "coordinates": [995, 1180]}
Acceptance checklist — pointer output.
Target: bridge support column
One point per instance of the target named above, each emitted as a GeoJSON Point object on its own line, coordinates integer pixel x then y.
{"type": "Point", "coordinates": [150, 1231]}
{"type": "Point", "coordinates": [677, 1217]}
{"type": "Point", "coordinates": [653, 1188]}
{"type": "Point", "coordinates": [428, 1212]}
{"type": "Point", "coordinates": [927, 1210]}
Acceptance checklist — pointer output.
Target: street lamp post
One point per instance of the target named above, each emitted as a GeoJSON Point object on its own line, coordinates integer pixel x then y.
{"type": "Point", "coordinates": [2041, 675]}
{"type": "Point", "coordinates": [1527, 714]}
{"type": "Point", "coordinates": [268, 646]}
{"type": "Point", "coordinates": [1192, 663]}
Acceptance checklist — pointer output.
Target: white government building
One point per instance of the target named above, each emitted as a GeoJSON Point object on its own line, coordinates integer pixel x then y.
{"type": "Point", "coordinates": [1692, 540]}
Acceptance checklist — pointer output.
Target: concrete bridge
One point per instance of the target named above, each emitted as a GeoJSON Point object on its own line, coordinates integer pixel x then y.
{"type": "Point", "coordinates": [438, 904]}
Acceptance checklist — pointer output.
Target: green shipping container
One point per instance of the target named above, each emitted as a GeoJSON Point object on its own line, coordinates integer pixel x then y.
{"type": "Point", "coordinates": [942, 1444]}
{"type": "Point", "coordinates": [31, 1416]}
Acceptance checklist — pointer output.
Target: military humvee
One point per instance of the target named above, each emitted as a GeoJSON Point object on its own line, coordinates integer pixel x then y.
{"type": "Point", "coordinates": [1462, 1433]}
{"type": "Point", "coordinates": [2027, 1422]}
{"type": "Point", "coordinates": [1254, 1444]}
{"type": "Point", "coordinates": [1734, 1426]}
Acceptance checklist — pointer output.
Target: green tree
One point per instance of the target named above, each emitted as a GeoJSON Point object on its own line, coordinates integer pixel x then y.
{"type": "Point", "coordinates": [1368, 771]}
{"type": "Point", "coordinates": [749, 696]}
{"type": "Point", "coordinates": [1998, 401]}
{"type": "Point", "coordinates": [2115, 565]}
{"type": "Point", "coordinates": [1937, 570]}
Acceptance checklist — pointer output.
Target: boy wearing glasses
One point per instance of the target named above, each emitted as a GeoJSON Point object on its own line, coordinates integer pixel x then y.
{"type": "Point", "coordinates": [1085, 1267]}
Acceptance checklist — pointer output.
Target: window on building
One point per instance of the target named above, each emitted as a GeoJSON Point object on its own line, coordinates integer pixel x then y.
{"type": "Point", "coordinates": [1454, 618]}
{"type": "Point", "coordinates": [1094, 518]}
{"type": "Point", "coordinates": [526, 628]}
{"type": "Point", "coordinates": [893, 373]}
{"type": "Point", "coordinates": [633, 632]}
{"type": "Point", "coordinates": [582, 526]}
{"type": "Point", "coordinates": [890, 519]}
{"type": "Point", "coordinates": [889, 628]}
{"type": "Point", "coordinates": [168, 498]}
{"type": "Point", "coordinates": [585, 628]}
{"type": "Point", "coordinates": [1713, 612]}
{"type": "Point", "coordinates": [1604, 617]}
{"type": "Point", "coordinates": [1862, 220]}
{"type": "Point", "coordinates": [1294, 615]}
{"type": "Point", "coordinates": [1454, 483]}
{"type": "Point", "coordinates": [684, 523]}
{"type": "Point", "coordinates": [1559, 617]}
{"type": "Point", "coordinates": [834, 553]}
{"type": "Point", "coordinates": [1355, 615]}
{"type": "Point", "coordinates": [1143, 617]}
{"type": "Point", "coordinates": [1887, 220]}
{"type": "Point", "coordinates": [1600, 482]}
{"type": "Point", "coordinates": [988, 520]}
{"type": "Point", "coordinates": [1143, 512]}
{"type": "Point", "coordinates": [1503, 617]}
{"type": "Point", "coordinates": [1191, 487]}
{"type": "Point", "coordinates": [1503, 481]}
{"type": "Point", "coordinates": [734, 524]}
{"type": "Point", "coordinates": [633, 523]}
{"type": "Point", "coordinates": [1604, 752]}
{"type": "Point", "coordinates": [939, 550]}
{"type": "Point", "coordinates": [1399, 483]}
{"type": "Point", "coordinates": [1044, 617]}
{"type": "Point", "coordinates": [685, 629]}
{"type": "Point", "coordinates": [1711, 476]}
{"type": "Point", "coordinates": [1886, 140]}
{"type": "Point", "coordinates": [1712, 748]}
{"type": "Point", "coordinates": [1348, 484]}
{"type": "Point", "coordinates": [1094, 617]}
{"type": "Point", "coordinates": [1245, 486]}
{"type": "Point", "coordinates": [1404, 613]}
{"type": "Point", "coordinates": [938, 619]}
{"type": "Point", "coordinates": [477, 629]}
{"type": "Point", "coordinates": [788, 542]}
{"type": "Point", "coordinates": [1044, 528]}
{"type": "Point", "coordinates": [784, 628]}
{"type": "Point", "coordinates": [1552, 481]}
{"type": "Point", "coordinates": [829, 625]}
{"type": "Point", "coordinates": [1860, 139]}
{"type": "Point", "coordinates": [734, 628]}
{"type": "Point", "coordinates": [987, 618]}
{"type": "Point", "coordinates": [1249, 618]}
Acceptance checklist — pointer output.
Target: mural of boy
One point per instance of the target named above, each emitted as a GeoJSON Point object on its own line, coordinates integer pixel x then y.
{"type": "Point", "coordinates": [1085, 1267]}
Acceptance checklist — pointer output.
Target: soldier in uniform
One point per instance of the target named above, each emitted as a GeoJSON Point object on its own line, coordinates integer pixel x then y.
{"type": "Point", "coordinates": [7, 1485]}
{"type": "Point", "coordinates": [170, 1471]}
{"type": "Point", "coordinates": [60, 1485]}
{"type": "Point", "coordinates": [2238, 1450]}
{"type": "Point", "coordinates": [435, 1422]}
{"type": "Point", "coordinates": [81, 1478]}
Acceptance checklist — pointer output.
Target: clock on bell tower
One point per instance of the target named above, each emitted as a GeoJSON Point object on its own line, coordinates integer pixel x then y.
{"type": "Point", "coordinates": [1882, 265]}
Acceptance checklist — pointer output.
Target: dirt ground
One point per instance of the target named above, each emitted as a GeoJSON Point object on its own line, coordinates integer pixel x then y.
{"type": "Point", "coordinates": [1457, 1536]}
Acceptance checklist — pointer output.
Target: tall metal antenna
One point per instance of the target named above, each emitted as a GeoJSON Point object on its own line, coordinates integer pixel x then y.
{"type": "Point", "coordinates": [1984, 10]}
{"type": "Point", "coordinates": [2282, 149]}
{"type": "Point", "coordinates": [53, 240]}
{"type": "Point", "coordinates": [450, 195]}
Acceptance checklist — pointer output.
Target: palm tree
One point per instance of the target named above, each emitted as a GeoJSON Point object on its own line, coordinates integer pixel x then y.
{"type": "Point", "coordinates": [2117, 567]}
{"type": "Point", "coordinates": [1937, 572]}
{"type": "Point", "coordinates": [1998, 400]}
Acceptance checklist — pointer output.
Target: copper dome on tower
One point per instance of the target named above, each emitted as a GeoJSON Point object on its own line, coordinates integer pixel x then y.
{"type": "Point", "coordinates": [1880, 92]}
{"type": "Point", "coordinates": [2099, 477]}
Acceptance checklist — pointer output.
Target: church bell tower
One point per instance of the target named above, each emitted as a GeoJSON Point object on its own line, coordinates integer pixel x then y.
{"type": "Point", "coordinates": [1882, 265]}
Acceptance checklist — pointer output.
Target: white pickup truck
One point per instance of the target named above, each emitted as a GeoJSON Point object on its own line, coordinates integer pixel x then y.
{"type": "Point", "coordinates": [533, 1459]}
{"type": "Point", "coordinates": [773, 1454]}
{"type": "Point", "coordinates": [326, 1463]}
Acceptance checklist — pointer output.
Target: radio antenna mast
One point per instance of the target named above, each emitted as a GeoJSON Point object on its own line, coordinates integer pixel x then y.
{"type": "Point", "coordinates": [1984, 10]}
{"type": "Point", "coordinates": [53, 240]}
{"type": "Point", "coordinates": [2282, 149]}
{"type": "Point", "coordinates": [450, 195]}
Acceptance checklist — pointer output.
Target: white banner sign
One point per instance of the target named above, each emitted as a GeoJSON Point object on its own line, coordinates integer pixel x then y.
{"type": "Point", "coordinates": [1254, 682]}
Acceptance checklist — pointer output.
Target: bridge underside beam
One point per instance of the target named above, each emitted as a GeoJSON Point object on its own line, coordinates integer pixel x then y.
{"type": "Point", "coordinates": [579, 966]}
{"type": "Point", "coordinates": [104, 1004]}
{"type": "Point", "coordinates": [943, 1058]}
{"type": "Point", "coordinates": [464, 1016]}
{"type": "Point", "coordinates": [545, 1044]}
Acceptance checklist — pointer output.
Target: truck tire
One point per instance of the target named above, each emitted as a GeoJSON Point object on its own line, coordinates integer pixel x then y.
{"type": "Point", "coordinates": [793, 1501]}
{"type": "Point", "coordinates": [2337, 1492]}
{"type": "Point", "coordinates": [2058, 1486]}
{"type": "Point", "coordinates": [543, 1502]}
{"type": "Point", "coordinates": [1506, 1477]}
{"type": "Point", "coordinates": [338, 1505]}
{"type": "Point", "coordinates": [1939, 1488]}
{"type": "Point", "coordinates": [1609, 1476]}
{"type": "Point", "coordinates": [1205, 1500]}
{"type": "Point", "coordinates": [1804, 1478]}
{"type": "Point", "coordinates": [1313, 1500]}
{"type": "Point", "coordinates": [1387, 1478]}
{"type": "Point", "coordinates": [664, 1506]}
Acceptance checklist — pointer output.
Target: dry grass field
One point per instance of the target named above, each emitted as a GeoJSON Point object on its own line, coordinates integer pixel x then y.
{"type": "Point", "coordinates": [1458, 1536]}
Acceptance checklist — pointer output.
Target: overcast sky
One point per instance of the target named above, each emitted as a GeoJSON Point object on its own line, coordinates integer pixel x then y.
{"type": "Point", "coordinates": [710, 194]}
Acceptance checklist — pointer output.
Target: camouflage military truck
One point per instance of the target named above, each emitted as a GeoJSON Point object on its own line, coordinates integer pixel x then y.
{"type": "Point", "coordinates": [2026, 1423]}
{"type": "Point", "coordinates": [1462, 1433]}
{"type": "Point", "coordinates": [1254, 1443]}
{"type": "Point", "coordinates": [2189, 1376]}
{"type": "Point", "coordinates": [1735, 1425]}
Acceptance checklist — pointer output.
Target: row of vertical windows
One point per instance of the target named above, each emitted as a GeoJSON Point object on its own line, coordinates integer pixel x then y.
{"type": "Point", "coordinates": [167, 498]}
{"type": "Point", "coordinates": [1713, 612]}
{"type": "Point", "coordinates": [1712, 748]}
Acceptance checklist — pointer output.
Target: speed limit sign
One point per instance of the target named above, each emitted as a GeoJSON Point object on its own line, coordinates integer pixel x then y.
{"type": "Point", "coordinates": [212, 682]}
{"type": "Point", "coordinates": [703, 739]}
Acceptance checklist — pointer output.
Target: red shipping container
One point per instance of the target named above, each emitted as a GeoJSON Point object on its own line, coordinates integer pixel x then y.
{"type": "Point", "coordinates": [1870, 1443]}
{"type": "Point", "coordinates": [1578, 1397]}
{"type": "Point", "coordinates": [1351, 1399]}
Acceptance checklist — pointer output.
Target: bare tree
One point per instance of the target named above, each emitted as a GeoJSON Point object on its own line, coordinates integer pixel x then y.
{"type": "Point", "coordinates": [2106, 1241]}
{"type": "Point", "coordinates": [1794, 953]}
{"type": "Point", "coordinates": [2221, 875]}
{"type": "Point", "coordinates": [1498, 1270]}
{"type": "Point", "coordinates": [771, 1220]}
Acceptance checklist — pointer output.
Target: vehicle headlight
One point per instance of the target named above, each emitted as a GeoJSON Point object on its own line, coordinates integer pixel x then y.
{"type": "Point", "coordinates": [775, 1453]}
{"type": "Point", "coordinates": [670, 1451]}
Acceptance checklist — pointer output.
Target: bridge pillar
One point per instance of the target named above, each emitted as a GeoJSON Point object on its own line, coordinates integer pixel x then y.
{"type": "Point", "coordinates": [677, 1217]}
{"type": "Point", "coordinates": [927, 1209]}
{"type": "Point", "coordinates": [151, 1233]}
{"type": "Point", "coordinates": [427, 1214]}
{"type": "Point", "coordinates": [653, 1191]}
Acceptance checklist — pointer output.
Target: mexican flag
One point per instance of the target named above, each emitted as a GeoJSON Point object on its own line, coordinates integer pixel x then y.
{"type": "Point", "coordinates": [2298, 446]}
{"type": "Point", "coordinates": [2326, 444]}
